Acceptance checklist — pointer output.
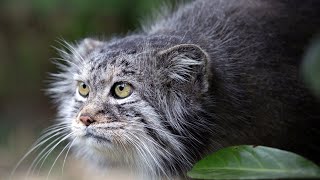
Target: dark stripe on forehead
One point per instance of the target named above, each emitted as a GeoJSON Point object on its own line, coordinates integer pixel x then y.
{"type": "Point", "coordinates": [94, 78]}
{"type": "Point", "coordinates": [124, 62]}
{"type": "Point", "coordinates": [98, 66]}
{"type": "Point", "coordinates": [94, 63]}
{"type": "Point", "coordinates": [128, 72]}
{"type": "Point", "coordinates": [102, 63]}
{"type": "Point", "coordinates": [125, 72]}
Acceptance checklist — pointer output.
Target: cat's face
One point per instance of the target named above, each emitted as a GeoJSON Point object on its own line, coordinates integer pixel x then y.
{"type": "Point", "coordinates": [130, 105]}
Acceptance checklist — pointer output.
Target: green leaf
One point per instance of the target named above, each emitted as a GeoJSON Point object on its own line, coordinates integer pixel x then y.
{"type": "Point", "coordinates": [253, 162]}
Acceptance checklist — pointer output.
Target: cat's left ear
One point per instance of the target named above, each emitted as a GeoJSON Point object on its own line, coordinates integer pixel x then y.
{"type": "Point", "coordinates": [186, 63]}
{"type": "Point", "coordinates": [87, 45]}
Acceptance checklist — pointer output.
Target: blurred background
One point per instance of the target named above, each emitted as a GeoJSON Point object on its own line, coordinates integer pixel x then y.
{"type": "Point", "coordinates": [28, 30]}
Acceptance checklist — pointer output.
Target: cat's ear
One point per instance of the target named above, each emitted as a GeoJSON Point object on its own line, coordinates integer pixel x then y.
{"type": "Point", "coordinates": [186, 63]}
{"type": "Point", "coordinates": [87, 45]}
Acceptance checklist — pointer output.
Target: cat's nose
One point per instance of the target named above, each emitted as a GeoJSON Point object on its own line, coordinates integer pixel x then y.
{"type": "Point", "coordinates": [86, 120]}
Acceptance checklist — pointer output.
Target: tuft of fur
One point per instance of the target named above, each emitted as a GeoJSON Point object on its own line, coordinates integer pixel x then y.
{"type": "Point", "coordinates": [211, 74]}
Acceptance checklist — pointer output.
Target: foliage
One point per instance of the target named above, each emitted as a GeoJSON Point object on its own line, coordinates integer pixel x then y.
{"type": "Point", "coordinates": [250, 162]}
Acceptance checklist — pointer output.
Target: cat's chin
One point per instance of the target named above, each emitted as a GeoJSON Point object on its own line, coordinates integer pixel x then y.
{"type": "Point", "coordinates": [102, 153]}
{"type": "Point", "coordinates": [93, 141]}
{"type": "Point", "coordinates": [99, 141]}
{"type": "Point", "coordinates": [103, 146]}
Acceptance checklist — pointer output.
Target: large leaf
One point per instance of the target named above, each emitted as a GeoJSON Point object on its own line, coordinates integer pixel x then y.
{"type": "Point", "coordinates": [253, 162]}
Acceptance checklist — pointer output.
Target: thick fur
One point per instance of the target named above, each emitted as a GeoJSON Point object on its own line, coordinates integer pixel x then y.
{"type": "Point", "coordinates": [209, 75]}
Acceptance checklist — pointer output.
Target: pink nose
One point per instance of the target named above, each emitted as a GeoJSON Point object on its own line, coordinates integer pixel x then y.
{"type": "Point", "coordinates": [86, 120]}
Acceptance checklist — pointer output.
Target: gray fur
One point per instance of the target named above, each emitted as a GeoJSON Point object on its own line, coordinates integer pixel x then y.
{"type": "Point", "coordinates": [212, 74]}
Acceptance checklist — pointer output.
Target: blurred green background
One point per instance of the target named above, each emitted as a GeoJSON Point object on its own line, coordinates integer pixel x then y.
{"type": "Point", "coordinates": [28, 30]}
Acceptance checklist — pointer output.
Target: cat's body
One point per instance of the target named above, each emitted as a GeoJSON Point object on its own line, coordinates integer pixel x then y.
{"type": "Point", "coordinates": [210, 75]}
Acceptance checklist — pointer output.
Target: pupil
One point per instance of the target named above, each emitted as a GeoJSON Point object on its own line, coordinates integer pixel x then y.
{"type": "Point", "coordinates": [121, 87]}
{"type": "Point", "coordinates": [84, 86]}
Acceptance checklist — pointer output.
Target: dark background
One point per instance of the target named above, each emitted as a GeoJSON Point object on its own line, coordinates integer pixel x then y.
{"type": "Point", "coordinates": [28, 30]}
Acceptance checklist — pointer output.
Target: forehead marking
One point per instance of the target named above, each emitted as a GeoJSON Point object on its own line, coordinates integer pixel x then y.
{"type": "Point", "coordinates": [109, 74]}
{"type": "Point", "coordinates": [125, 72]}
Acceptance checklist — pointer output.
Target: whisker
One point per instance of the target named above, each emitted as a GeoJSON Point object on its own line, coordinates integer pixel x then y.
{"type": "Point", "coordinates": [45, 155]}
{"type": "Point", "coordinates": [64, 160]}
{"type": "Point", "coordinates": [157, 145]}
{"type": "Point", "coordinates": [68, 46]}
{"type": "Point", "coordinates": [37, 160]}
{"type": "Point", "coordinates": [54, 162]}
{"type": "Point", "coordinates": [141, 154]}
{"type": "Point", "coordinates": [48, 133]}
{"type": "Point", "coordinates": [153, 157]}
{"type": "Point", "coordinates": [173, 144]}
{"type": "Point", "coordinates": [32, 148]}
{"type": "Point", "coordinates": [150, 154]}
{"type": "Point", "coordinates": [66, 137]}
{"type": "Point", "coordinates": [61, 124]}
{"type": "Point", "coordinates": [67, 61]}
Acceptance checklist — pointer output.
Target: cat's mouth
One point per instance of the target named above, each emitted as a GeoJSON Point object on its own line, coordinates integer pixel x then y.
{"type": "Point", "coordinates": [97, 137]}
{"type": "Point", "coordinates": [105, 132]}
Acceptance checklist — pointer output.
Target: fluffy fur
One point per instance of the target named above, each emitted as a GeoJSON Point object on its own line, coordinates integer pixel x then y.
{"type": "Point", "coordinates": [208, 75]}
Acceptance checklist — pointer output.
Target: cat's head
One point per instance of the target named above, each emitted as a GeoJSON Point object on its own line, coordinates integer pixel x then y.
{"type": "Point", "coordinates": [134, 102]}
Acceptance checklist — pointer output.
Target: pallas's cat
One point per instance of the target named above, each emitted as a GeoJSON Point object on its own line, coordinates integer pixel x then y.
{"type": "Point", "coordinates": [210, 74]}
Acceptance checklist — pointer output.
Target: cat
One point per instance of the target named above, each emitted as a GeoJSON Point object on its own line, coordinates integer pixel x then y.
{"type": "Point", "coordinates": [208, 75]}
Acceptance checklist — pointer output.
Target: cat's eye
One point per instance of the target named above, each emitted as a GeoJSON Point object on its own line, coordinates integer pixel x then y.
{"type": "Point", "coordinates": [83, 89]}
{"type": "Point", "coordinates": [121, 90]}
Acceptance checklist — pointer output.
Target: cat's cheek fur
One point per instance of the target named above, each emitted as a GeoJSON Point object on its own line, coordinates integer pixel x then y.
{"type": "Point", "coordinates": [77, 129]}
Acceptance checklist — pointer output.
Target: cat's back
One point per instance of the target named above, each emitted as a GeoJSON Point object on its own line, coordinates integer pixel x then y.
{"type": "Point", "coordinates": [204, 16]}
{"type": "Point", "coordinates": [255, 50]}
{"type": "Point", "coordinates": [244, 33]}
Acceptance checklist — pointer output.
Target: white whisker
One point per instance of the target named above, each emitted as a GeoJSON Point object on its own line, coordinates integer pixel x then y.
{"type": "Point", "coordinates": [65, 158]}
{"type": "Point", "coordinates": [67, 136]}
{"type": "Point", "coordinates": [45, 156]}
{"type": "Point", "coordinates": [33, 148]}
{"type": "Point", "coordinates": [37, 160]}
{"type": "Point", "coordinates": [49, 133]}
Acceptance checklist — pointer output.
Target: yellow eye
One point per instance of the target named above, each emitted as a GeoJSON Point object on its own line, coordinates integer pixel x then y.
{"type": "Point", "coordinates": [83, 89]}
{"type": "Point", "coordinates": [122, 90]}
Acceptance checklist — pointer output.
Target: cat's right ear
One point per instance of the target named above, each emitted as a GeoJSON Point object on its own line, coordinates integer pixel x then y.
{"type": "Point", "coordinates": [87, 45]}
